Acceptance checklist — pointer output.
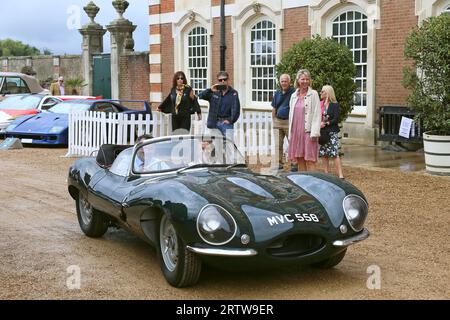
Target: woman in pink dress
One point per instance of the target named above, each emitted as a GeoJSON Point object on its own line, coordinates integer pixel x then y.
{"type": "Point", "coordinates": [304, 123]}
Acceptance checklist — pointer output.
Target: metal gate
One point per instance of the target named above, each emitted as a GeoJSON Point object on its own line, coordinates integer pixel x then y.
{"type": "Point", "coordinates": [102, 76]}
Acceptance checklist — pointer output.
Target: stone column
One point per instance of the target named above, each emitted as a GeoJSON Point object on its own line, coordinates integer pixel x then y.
{"type": "Point", "coordinates": [122, 41]}
{"type": "Point", "coordinates": [92, 44]}
{"type": "Point", "coordinates": [4, 65]}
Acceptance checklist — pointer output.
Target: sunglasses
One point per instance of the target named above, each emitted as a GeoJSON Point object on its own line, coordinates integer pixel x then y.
{"type": "Point", "coordinates": [180, 78]}
{"type": "Point", "coordinates": [223, 79]}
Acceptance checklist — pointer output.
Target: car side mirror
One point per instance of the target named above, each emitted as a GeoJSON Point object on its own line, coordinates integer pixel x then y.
{"type": "Point", "coordinates": [48, 105]}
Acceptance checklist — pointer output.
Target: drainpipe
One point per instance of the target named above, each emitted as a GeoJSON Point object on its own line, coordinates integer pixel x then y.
{"type": "Point", "coordinates": [223, 45]}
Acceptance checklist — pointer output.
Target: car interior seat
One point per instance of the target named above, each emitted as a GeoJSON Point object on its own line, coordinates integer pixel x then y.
{"type": "Point", "coordinates": [108, 153]}
{"type": "Point", "coordinates": [12, 88]}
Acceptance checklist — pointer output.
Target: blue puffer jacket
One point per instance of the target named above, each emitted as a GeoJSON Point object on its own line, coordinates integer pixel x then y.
{"type": "Point", "coordinates": [214, 99]}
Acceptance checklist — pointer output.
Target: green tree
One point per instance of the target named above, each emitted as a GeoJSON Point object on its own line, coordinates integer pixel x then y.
{"type": "Point", "coordinates": [28, 70]}
{"type": "Point", "coordinates": [74, 85]}
{"type": "Point", "coordinates": [47, 52]}
{"type": "Point", "coordinates": [329, 63]}
{"type": "Point", "coordinates": [10, 48]}
{"type": "Point", "coordinates": [429, 77]}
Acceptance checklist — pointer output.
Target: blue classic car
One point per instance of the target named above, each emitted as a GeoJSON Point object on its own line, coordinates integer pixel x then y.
{"type": "Point", "coordinates": [194, 199]}
{"type": "Point", "coordinates": [51, 127]}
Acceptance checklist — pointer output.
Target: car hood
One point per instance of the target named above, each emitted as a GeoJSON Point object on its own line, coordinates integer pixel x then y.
{"type": "Point", "coordinates": [267, 205]}
{"type": "Point", "coordinates": [41, 123]}
{"type": "Point", "coordinates": [9, 115]}
{"type": "Point", "coordinates": [262, 195]}
{"type": "Point", "coordinates": [244, 187]}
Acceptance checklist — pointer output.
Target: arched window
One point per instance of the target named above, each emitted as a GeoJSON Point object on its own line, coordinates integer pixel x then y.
{"type": "Point", "coordinates": [197, 55]}
{"type": "Point", "coordinates": [350, 29]}
{"type": "Point", "coordinates": [447, 10]}
{"type": "Point", "coordinates": [262, 61]}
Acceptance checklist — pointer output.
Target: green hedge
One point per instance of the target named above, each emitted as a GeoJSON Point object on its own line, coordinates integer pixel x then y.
{"type": "Point", "coordinates": [329, 63]}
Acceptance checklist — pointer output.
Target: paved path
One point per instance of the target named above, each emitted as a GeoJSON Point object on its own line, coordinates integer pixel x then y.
{"type": "Point", "coordinates": [375, 157]}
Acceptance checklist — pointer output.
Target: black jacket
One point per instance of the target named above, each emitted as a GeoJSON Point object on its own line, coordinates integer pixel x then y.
{"type": "Point", "coordinates": [214, 99]}
{"type": "Point", "coordinates": [332, 116]}
{"type": "Point", "coordinates": [187, 105]}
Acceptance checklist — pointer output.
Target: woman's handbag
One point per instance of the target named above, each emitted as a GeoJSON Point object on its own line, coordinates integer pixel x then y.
{"type": "Point", "coordinates": [324, 136]}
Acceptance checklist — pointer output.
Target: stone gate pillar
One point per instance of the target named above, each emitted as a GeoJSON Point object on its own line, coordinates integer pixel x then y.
{"type": "Point", "coordinates": [122, 41]}
{"type": "Point", "coordinates": [92, 44]}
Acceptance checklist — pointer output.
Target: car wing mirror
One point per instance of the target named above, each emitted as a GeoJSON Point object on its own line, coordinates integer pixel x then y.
{"type": "Point", "coordinates": [48, 105]}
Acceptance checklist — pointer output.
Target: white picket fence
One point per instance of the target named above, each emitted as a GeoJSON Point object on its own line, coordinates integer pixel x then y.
{"type": "Point", "coordinates": [253, 133]}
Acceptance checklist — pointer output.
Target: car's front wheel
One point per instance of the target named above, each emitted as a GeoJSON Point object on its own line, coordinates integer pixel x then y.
{"type": "Point", "coordinates": [180, 267]}
{"type": "Point", "coordinates": [332, 261]}
{"type": "Point", "coordinates": [92, 223]}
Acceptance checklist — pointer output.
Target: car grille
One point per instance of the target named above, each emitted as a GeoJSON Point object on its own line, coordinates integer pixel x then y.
{"type": "Point", "coordinates": [295, 245]}
{"type": "Point", "coordinates": [34, 137]}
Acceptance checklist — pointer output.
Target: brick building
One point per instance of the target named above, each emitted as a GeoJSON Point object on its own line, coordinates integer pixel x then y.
{"type": "Point", "coordinates": [185, 35]}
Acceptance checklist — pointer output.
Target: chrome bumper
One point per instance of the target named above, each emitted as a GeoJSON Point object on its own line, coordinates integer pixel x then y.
{"type": "Point", "coordinates": [352, 240]}
{"type": "Point", "coordinates": [224, 252]}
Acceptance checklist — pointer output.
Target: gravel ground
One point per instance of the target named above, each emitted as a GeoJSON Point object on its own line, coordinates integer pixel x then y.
{"type": "Point", "coordinates": [40, 238]}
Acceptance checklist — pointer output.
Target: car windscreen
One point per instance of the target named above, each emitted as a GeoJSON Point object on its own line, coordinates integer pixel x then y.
{"type": "Point", "coordinates": [180, 153]}
{"type": "Point", "coordinates": [27, 102]}
{"type": "Point", "coordinates": [68, 106]}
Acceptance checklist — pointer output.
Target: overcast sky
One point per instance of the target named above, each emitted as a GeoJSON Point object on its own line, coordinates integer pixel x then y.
{"type": "Point", "coordinates": [53, 24]}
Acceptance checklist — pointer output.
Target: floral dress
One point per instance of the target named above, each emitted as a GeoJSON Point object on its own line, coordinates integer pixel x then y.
{"type": "Point", "coordinates": [331, 148]}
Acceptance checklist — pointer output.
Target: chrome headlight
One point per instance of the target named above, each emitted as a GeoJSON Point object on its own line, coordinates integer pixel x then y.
{"type": "Point", "coordinates": [215, 225]}
{"type": "Point", "coordinates": [356, 210]}
{"type": "Point", "coordinates": [56, 129]}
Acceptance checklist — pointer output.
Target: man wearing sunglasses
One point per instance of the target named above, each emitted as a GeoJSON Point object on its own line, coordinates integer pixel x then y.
{"type": "Point", "coordinates": [224, 105]}
{"type": "Point", "coordinates": [57, 88]}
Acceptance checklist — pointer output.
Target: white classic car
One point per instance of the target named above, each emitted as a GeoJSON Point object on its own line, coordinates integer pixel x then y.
{"type": "Point", "coordinates": [17, 83]}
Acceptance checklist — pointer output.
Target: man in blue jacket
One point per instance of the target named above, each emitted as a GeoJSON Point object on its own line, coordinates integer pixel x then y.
{"type": "Point", "coordinates": [280, 115]}
{"type": "Point", "coordinates": [224, 105]}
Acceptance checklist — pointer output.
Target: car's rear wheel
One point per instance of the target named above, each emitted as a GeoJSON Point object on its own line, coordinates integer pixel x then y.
{"type": "Point", "coordinates": [180, 267]}
{"type": "Point", "coordinates": [331, 262]}
{"type": "Point", "coordinates": [93, 223]}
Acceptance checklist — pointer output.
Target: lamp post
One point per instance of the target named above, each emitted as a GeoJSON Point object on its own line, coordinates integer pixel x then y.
{"type": "Point", "coordinates": [223, 46]}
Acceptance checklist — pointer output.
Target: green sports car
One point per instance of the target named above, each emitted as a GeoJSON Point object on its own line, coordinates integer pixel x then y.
{"type": "Point", "coordinates": [195, 200]}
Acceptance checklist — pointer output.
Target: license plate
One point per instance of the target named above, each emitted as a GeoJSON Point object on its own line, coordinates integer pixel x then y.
{"type": "Point", "coordinates": [27, 140]}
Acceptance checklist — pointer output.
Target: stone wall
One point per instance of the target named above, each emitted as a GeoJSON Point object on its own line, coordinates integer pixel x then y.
{"type": "Point", "coordinates": [134, 81]}
{"type": "Point", "coordinates": [68, 66]}
{"type": "Point", "coordinates": [43, 65]}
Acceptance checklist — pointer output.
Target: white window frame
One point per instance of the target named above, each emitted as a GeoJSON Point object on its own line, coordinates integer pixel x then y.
{"type": "Point", "coordinates": [186, 56]}
{"type": "Point", "coordinates": [258, 104]}
{"type": "Point", "coordinates": [321, 15]}
{"type": "Point", "coordinates": [358, 109]}
{"type": "Point", "coordinates": [431, 8]}
{"type": "Point", "coordinates": [180, 30]}
{"type": "Point", "coordinates": [363, 114]}
{"type": "Point", "coordinates": [241, 23]}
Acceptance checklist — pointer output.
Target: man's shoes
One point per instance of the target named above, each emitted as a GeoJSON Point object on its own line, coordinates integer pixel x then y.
{"type": "Point", "coordinates": [294, 167]}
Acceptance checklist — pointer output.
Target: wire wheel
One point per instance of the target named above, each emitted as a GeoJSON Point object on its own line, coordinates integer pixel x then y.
{"type": "Point", "coordinates": [169, 244]}
{"type": "Point", "coordinates": [86, 210]}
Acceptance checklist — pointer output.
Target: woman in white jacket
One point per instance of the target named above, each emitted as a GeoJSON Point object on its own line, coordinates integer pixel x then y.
{"type": "Point", "coordinates": [304, 123]}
